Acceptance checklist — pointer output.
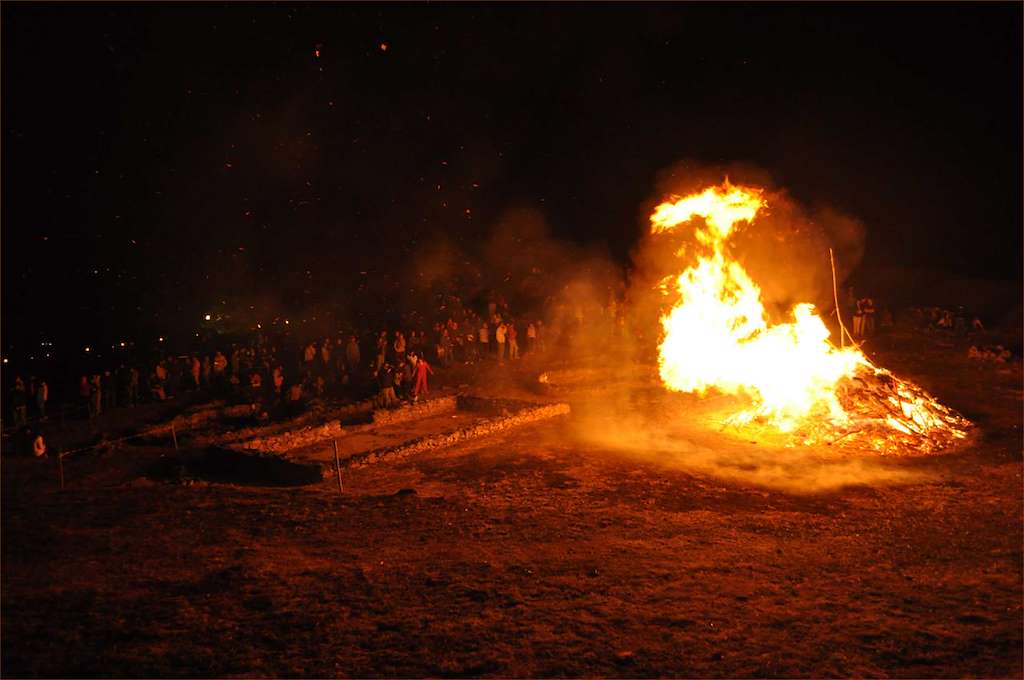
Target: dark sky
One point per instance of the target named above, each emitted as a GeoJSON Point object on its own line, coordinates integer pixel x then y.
{"type": "Point", "coordinates": [160, 161]}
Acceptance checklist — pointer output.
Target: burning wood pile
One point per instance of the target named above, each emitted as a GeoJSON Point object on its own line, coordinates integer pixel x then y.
{"type": "Point", "coordinates": [716, 336]}
{"type": "Point", "coordinates": [889, 415]}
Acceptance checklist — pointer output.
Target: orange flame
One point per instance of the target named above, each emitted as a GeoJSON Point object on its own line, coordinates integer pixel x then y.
{"type": "Point", "coordinates": [717, 334]}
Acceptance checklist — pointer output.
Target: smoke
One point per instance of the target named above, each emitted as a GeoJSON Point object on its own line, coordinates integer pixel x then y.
{"type": "Point", "coordinates": [678, 437]}
{"type": "Point", "coordinates": [785, 250]}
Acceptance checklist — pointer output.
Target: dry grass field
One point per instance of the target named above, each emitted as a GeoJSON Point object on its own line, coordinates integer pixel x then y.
{"type": "Point", "coordinates": [545, 551]}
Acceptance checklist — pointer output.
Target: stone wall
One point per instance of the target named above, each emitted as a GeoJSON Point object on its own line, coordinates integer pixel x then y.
{"type": "Point", "coordinates": [416, 411]}
{"type": "Point", "coordinates": [287, 437]}
{"type": "Point", "coordinates": [239, 438]}
{"type": "Point", "coordinates": [194, 419]}
{"type": "Point", "coordinates": [481, 429]}
{"type": "Point", "coordinates": [292, 439]}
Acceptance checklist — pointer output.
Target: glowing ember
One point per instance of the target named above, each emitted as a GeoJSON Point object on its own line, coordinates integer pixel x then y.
{"type": "Point", "coordinates": [717, 335]}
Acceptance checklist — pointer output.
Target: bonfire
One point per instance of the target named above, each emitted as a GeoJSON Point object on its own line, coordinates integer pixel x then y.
{"type": "Point", "coordinates": [716, 335]}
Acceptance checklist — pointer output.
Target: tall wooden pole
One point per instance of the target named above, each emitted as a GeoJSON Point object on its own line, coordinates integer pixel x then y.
{"type": "Point", "coordinates": [835, 294]}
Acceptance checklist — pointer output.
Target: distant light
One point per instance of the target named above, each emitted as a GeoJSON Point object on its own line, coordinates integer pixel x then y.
{"type": "Point", "coordinates": [286, 321]}
{"type": "Point", "coordinates": [383, 47]}
{"type": "Point", "coordinates": [5, 360]}
{"type": "Point", "coordinates": [259, 326]}
{"type": "Point", "coordinates": [122, 343]}
{"type": "Point", "coordinates": [88, 349]}
{"type": "Point", "coordinates": [161, 339]}
{"type": "Point", "coordinates": [207, 317]}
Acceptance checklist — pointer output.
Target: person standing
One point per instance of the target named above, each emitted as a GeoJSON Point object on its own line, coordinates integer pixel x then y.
{"type": "Point", "coordinates": [513, 341]}
{"type": "Point", "coordinates": [422, 370]}
{"type": "Point", "coordinates": [500, 334]}
{"type": "Point", "coordinates": [95, 397]}
{"type": "Point", "coordinates": [399, 348]}
{"type": "Point", "coordinates": [42, 396]}
{"type": "Point", "coordinates": [109, 393]}
{"type": "Point", "coordinates": [386, 382]}
{"type": "Point", "coordinates": [352, 353]}
{"type": "Point", "coordinates": [33, 385]}
{"type": "Point", "coordinates": [325, 356]}
{"type": "Point", "coordinates": [19, 403]}
{"type": "Point", "coordinates": [278, 383]}
{"type": "Point", "coordinates": [401, 380]}
{"type": "Point", "coordinates": [868, 313]}
{"type": "Point", "coordinates": [484, 338]}
{"type": "Point", "coordinates": [220, 364]}
{"type": "Point", "coordinates": [220, 370]}
{"type": "Point", "coordinates": [414, 342]}
{"type": "Point", "coordinates": [531, 337]}
{"type": "Point", "coordinates": [447, 348]}
{"type": "Point", "coordinates": [133, 386]}
{"type": "Point", "coordinates": [382, 350]}
{"type": "Point", "coordinates": [83, 393]}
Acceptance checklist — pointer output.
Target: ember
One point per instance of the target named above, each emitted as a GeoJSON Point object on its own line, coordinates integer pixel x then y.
{"type": "Point", "coordinates": [717, 335]}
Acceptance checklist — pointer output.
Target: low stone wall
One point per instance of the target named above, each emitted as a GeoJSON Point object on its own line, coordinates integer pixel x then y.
{"type": "Point", "coordinates": [423, 409]}
{"type": "Point", "coordinates": [189, 421]}
{"type": "Point", "coordinates": [238, 438]}
{"type": "Point", "coordinates": [293, 439]}
{"type": "Point", "coordinates": [481, 429]}
{"type": "Point", "coordinates": [287, 437]}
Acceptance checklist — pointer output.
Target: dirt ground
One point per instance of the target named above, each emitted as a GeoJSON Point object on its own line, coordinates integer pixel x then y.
{"type": "Point", "coordinates": [546, 551]}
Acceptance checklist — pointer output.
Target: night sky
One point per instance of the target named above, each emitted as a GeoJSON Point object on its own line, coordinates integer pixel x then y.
{"type": "Point", "coordinates": [163, 161]}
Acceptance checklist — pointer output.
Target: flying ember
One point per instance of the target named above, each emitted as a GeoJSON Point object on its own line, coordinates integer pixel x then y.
{"type": "Point", "coordinates": [717, 335]}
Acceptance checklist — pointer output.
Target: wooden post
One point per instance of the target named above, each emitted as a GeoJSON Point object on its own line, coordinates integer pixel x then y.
{"type": "Point", "coordinates": [174, 436]}
{"type": "Point", "coordinates": [60, 468]}
{"type": "Point", "coordinates": [835, 293]}
{"type": "Point", "coordinates": [337, 466]}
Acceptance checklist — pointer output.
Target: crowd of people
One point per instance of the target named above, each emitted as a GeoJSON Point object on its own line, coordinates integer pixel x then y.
{"type": "Point", "coordinates": [279, 377]}
{"type": "Point", "coordinates": [957, 321]}
{"type": "Point", "coordinates": [29, 398]}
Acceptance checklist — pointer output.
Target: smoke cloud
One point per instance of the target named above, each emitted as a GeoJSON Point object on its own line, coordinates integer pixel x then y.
{"type": "Point", "coordinates": [690, 441]}
{"type": "Point", "coordinates": [785, 250]}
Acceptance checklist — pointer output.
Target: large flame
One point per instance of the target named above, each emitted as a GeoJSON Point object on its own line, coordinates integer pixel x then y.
{"type": "Point", "coordinates": [717, 335]}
